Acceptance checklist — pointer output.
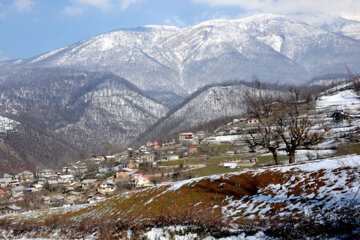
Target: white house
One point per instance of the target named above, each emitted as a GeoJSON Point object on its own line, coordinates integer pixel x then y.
{"type": "Point", "coordinates": [230, 165]}
{"type": "Point", "coordinates": [106, 187]}
{"type": "Point", "coordinates": [88, 183]}
{"type": "Point", "coordinates": [64, 179]}
{"type": "Point", "coordinates": [140, 180]}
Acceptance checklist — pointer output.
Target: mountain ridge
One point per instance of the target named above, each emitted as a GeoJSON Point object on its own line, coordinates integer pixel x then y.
{"type": "Point", "coordinates": [84, 108]}
{"type": "Point", "coordinates": [182, 60]}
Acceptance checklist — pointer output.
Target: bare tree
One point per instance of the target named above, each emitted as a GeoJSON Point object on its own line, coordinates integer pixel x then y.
{"type": "Point", "coordinates": [354, 78]}
{"type": "Point", "coordinates": [293, 127]}
{"type": "Point", "coordinates": [281, 120]}
{"type": "Point", "coordinates": [261, 103]}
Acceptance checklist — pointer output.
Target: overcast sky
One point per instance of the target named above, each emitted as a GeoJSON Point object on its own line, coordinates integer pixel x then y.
{"type": "Point", "coordinates": [32, 27]}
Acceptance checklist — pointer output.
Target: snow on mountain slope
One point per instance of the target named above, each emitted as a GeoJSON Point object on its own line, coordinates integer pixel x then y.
{"type": "Point", "coordinates": [7, 124]}
{"type": "Point", "coordinates": [206, 105]}
{"type": "Point", "coordinates": [273, 193]}
{"type": "Point", "coordinates": [352, 30]}
{"type": "Point", "coordinates": [170, 59]}
{"type": "Point", "coordinates": [84, 108]}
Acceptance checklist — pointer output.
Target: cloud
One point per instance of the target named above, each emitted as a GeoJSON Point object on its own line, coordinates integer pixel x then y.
{"type": "Point", "coordinates": [95, 3]}
{"type": "Point", "coordinates": [351, 16]}
{"type": "Point", "coordinates": [124, 4]}
{"type": "Point", "coordinates": [290, 6]}
{"type": "Point", "coordinates": [174, 21]}
{"type": "Point", "coordinates": [23, 5]}
{"type": "Point", "coordinates": [73, 10]}
{"type": "Point", "coordinates": [104, 4]}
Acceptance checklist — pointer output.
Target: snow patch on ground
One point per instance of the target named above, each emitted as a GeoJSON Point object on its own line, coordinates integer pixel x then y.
{"type": "Point", "coordinates": [343, 100]}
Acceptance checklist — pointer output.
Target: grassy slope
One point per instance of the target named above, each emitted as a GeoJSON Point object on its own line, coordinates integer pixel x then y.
{"type": "Point", "coordinates": [237, 197]}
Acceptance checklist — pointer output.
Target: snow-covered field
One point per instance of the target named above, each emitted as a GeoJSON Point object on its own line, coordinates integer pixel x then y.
{"type": "Point", "coordinates": [344, 100]}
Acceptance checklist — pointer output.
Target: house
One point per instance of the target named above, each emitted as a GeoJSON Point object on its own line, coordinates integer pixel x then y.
{"type": "Point", "coordinates": [186, 137]}
{"type": "Point", "coordinates": [230, 165]}
{"type": "Point", "coordinates": [65, 179]}
{"type": "Point", "coordinates": [140, 180]}
{"type": "Point", "coordinates": [73, 186]}
{"type": "Point", "coordinates": [240, 163]}
{"type": "Point", "coordinates": [89, 183]}
{"type": "Point", "coordinates": [15, 183]}
{"type": "Point", "coordinates": [106, 187]}
{"type": "Point", "coordinates": [233, 132]}
{"type": "Point", "coordinates": [25, 176]}
{"type": "Point", "coordinates": [169, 144]}
{"type": "Point", "coordinates": [100, 157]}
{"type": "Point", "coordinates": [172, 157]}
{"type": "Point", "coordinates": [152, 145]}
{"type": "Point", "coordinates": [82, 168]}
{"type": "Point", "coordinates": [147, 157]}
{"type": "Point", "coordinates": [68, 203]}
{"type": "Point", "coordinates": [94, 199]}
{"type": "Point", "coordinates": [52, 181]}
{"type": "Point", "coordinates": [6, 175]}
{"type": "Point", "coordinates": [117, 168]}
{"type": "Point", "coordinates": [74, 196]}
{"type": "Point", "coordinates": [124, 173]}
{"type": "Point", "coordinates": [104, 170]}
{"type": "Point", "coordinates": [94, 160]}
{"type": "Point", "coordinates": [143, 148]}
{"type": "Point", "coordinates": [37, 187]}
{"type": "Point", "coordinates": [9, 209]}
{"type": "Point", "coordinates": [200, 135]}
{"type": "Point", "coordinates": [73, 170]}
{"type": "Point", "coordinates": [2, 193]}
{"type": "Point", "coordinates": [18, 191]}
{"type": "Point", "coordinates": [193, 150]}
{"type": "Point", "coordinates": [47, 177]}
{"type": "Point", "coordinates": [46, 172]}
{"type": "Point", "coordinates": [5, 182]}
{"type": "Point", "coordinates": [133, 164]}
{"type": "Point", "coordinates": [50, 178]}
{"type": "Point", "coordinates": [66, 169]}
{"type": "Point", "coordinates": [252, 121]}
{"type": "Point", "coordinates": [110, 157]}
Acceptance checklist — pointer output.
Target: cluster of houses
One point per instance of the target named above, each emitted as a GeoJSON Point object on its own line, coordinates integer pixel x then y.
{"type": "Point", "coordinates": [72, 184]}
{"type": "Point", "coordinates": [82, 183]}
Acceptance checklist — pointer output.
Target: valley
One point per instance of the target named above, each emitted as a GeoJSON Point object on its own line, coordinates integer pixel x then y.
{"type": "Point", "coordinates": [243, 128]}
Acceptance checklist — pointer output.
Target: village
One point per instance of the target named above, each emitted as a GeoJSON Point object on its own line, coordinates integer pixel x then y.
{"type": "Point", "coordinates": [191, 154]}
{"type": "Point", "coordinates": [98, 177]}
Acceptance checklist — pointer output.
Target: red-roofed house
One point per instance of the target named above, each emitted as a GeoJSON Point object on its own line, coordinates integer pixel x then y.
{"type": "Point", "coordinates": [192, 149]}
{"type": "Point", "coordinates": [186, 137]}
{"type": "Point", "coordinates": [153, 144]}
{"type": "Point", "coordinates": [140, 180]}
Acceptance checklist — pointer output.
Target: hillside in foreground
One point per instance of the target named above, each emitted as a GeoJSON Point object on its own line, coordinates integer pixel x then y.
{"type": "Point", "coordinates": [315, 199]}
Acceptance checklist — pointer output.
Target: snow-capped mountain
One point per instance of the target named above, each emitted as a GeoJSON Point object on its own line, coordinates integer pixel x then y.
{"type": "Point", "coordinates": [181, 60]}
{"type": "Point", "coordinates": [85, 109]}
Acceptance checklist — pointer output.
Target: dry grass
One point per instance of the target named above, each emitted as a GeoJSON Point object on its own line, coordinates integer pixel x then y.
{"type": "Point", "coordinates": [142, 210]}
